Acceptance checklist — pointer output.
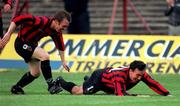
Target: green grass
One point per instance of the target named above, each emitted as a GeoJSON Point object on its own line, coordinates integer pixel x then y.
{"type": "Point", "coordinates": [37, 94]}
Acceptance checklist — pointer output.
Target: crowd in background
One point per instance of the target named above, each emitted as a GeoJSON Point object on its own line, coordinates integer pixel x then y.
{"type": "Point", "coordinates": [80, 23]}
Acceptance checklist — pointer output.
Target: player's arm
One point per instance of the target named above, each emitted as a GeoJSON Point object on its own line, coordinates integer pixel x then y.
{"type": "Point", "coordinates": [154, 85]}
{"type": "Point", "coordinates": [120, 89]}
{"type": "Point", "coordinates": [59, 43]}
{"type": "Point", "coordinates": [8, 34]}
{"type": "Point", "coordinates": [22, 19]}
{"type": "Point", "coordinates": [61, 53]}
{"type": "Point", "coordinates": [119, 79]}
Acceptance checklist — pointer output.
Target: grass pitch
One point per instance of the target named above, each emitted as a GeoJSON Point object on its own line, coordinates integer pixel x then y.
{"type": "Point", "coordinates": [37, 94]}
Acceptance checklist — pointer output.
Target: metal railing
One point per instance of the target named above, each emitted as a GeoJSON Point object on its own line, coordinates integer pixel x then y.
{"type": "Point", "coordinates": [19, 9]}
{"type": "Point", "coordinates": [125, 17]}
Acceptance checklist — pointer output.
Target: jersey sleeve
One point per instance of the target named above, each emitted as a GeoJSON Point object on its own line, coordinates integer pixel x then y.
{"type": "Point", "coordinates": [119, 83]}
{"type": "Point", "coordinates": [154, 85]}
{"type": "Point", "coordinates": [120, 88]}
{"type": "Point", "coordinates": [58, 40]}
{"type": "Point", "coordinates": [24, 19]}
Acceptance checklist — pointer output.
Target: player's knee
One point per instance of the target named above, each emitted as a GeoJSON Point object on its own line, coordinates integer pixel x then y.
{"type": "Point", "coordinates": [76, 90]}
{"type": "Point", "coordinates": [45, 57]}
{"type": "Point", "coordinates": [35, 73]}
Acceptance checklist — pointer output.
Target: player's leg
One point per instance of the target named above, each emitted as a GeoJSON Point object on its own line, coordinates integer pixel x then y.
{"type": "Point", "coordinates": [77, 90]}
{"type": "Point", "coordinates": [69, 86]}
{"type": "Point", "coordinates": [93, 83]}
{"type": "Point", "coordinates": [43, 56]}
{"type": "Point", "coordinates": [90, 86]}
{"type": "Point", "coordinates": [27, 78]}
{"type": "Point", "coordinates": [25, 51]}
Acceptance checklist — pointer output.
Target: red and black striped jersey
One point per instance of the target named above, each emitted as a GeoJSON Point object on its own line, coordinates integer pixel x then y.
{"type": "Point", "coordinates": [117, 79]}
{"type": "Point", "coordinates": [34, 28]}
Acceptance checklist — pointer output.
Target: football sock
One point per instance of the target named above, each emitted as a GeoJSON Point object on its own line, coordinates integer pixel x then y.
{"type": "Point", "coordinates": [67, 85]}
{"type": "Point", "coordinates": [46, 71]}
{"type": "Point", "coordinates": [25, 80]}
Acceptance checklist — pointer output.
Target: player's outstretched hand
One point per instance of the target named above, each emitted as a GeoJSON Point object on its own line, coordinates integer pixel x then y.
{"type": "Point", "coordinates": [66, 66]}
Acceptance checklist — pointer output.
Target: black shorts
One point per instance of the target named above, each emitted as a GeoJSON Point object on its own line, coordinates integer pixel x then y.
{"type": "Point", "coordinates": [93, 84]}
{"type": "Point", "coordinates": [25, 50]}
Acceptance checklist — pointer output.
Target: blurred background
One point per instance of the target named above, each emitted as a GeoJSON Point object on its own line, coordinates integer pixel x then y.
{"type": "Point", "coordinates": [105, 16]}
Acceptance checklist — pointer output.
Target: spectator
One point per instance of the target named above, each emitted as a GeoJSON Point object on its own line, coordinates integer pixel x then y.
{"type": "Point", "coordinates": [6, 7]}
{"type": "Point", "coordinates": [173, 12]}
{"type": "Point", "coordinates": [80, 16]}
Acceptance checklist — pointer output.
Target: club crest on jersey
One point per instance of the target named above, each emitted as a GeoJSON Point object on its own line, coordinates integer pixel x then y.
{"type": "Point", "coordinates": [26, 47]}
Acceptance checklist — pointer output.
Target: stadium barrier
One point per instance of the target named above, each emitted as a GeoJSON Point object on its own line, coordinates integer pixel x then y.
{"type": "Point", "coordinates": [88, 52]}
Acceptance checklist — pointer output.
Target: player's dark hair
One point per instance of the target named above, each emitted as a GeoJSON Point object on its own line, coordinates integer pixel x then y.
{"type": "Point", "coordinates": [138, 64]}
{"type": "Point", "coordinates": [62, 15]}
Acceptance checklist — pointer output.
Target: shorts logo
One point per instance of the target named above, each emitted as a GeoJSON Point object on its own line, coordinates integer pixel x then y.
{"type": "Point", "coordinates": [90, 88]}
{"type": "Point", "coordinates": [26, 47]}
